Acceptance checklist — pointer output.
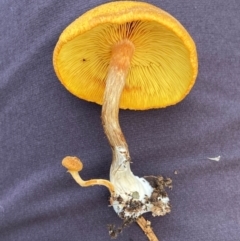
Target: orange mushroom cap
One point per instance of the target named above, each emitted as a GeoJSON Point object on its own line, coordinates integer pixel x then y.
{"type": "Point", "coordinates": [163, 67]}
{"type": "Point", "coordinates": [72, 163]}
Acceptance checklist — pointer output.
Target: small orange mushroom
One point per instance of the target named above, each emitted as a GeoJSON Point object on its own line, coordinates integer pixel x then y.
{"type": "Point", "coordinates": [129, 55]}
{"type": "Point", "coordinates": [74, 165]}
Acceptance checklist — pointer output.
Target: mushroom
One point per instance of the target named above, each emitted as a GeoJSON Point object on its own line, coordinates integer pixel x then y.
{"type": "Point", "coordinates": [74, 165]}
{"type": "Point", "coordinates": [128, 55]}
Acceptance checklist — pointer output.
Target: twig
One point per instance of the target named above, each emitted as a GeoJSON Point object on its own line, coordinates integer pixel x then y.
{"type": "Point", "coordinates": [146, 227]}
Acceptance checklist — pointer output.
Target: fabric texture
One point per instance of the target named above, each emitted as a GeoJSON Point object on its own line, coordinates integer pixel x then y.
{"type": "Point", "coordinates": [40, 123]}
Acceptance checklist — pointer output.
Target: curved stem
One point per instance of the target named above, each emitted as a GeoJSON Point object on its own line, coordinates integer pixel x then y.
{"type": "Point", "coordinates": [92, 182]}
{"type": "Point", "coordinates": [114, 86]}
{"type": "Point", "coordinates": [116, 79]}
{"type": "Point", "coordinates": [121, 176]}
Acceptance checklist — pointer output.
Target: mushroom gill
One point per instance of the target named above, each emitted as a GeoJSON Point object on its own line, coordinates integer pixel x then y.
{"type": "Point", "coordinates": [161, 72]}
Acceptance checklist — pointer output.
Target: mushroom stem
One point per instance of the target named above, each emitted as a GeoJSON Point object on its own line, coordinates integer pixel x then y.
{"type": "Point", "coordinates": [127, 186]}
{"type": "Point", "coordinates": [74, 165]}
{"type": "Point", "coordinates": [116, 79]}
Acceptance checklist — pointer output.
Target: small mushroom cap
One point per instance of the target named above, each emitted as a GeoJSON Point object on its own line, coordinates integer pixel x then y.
{"type": "Point", "coordinates": [72, 163]}
{"type": "Point", "coordinates": [163, 68]}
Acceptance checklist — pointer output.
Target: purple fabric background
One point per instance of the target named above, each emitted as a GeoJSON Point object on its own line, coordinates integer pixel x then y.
{"type": "Point", "coordinates": [40, 123]}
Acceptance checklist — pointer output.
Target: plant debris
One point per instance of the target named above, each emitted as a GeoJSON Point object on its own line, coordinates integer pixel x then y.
{"type": "Point", "coordinates": [113, 231]}
{"type": "Point", "coordinates": [217, 159]}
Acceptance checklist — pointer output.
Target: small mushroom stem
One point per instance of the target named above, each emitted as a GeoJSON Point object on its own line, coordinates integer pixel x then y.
{"type": "Point", "coordinates": [74, 165]}
{"type": "Point", "coordinates": [146, 227]}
